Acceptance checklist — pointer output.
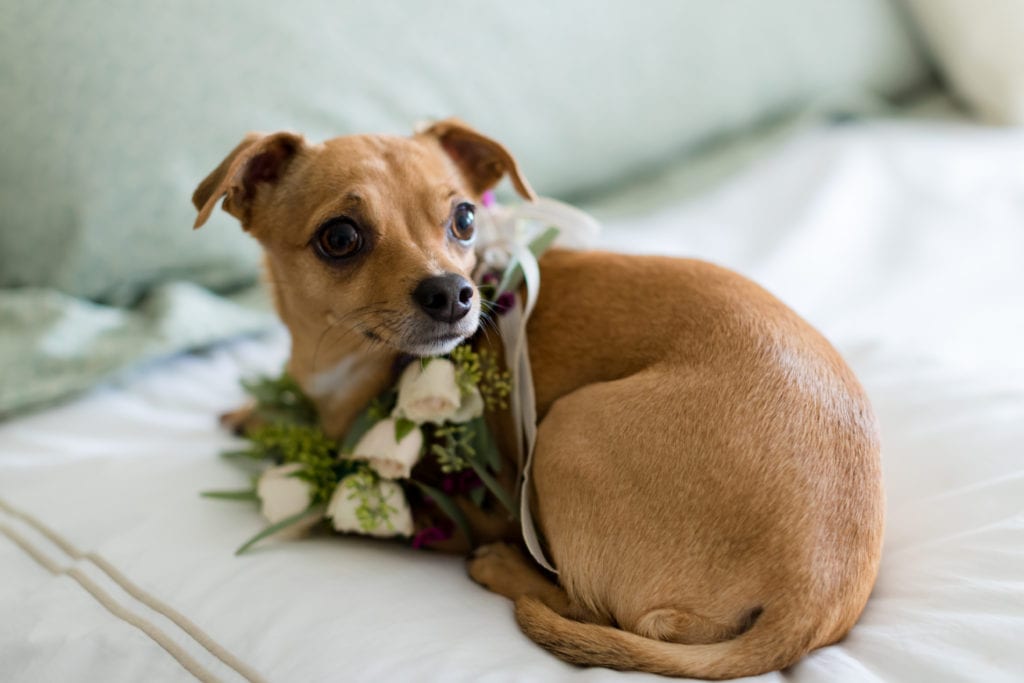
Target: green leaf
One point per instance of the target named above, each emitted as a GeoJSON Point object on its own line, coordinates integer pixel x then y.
{"type": "Point", "coordinates": [251, 454]}
{"type": "Point", "coordinates": [448, 507]}
{"type": "Point", "coordinates": [514, 273]}
{"type": "Point", "coordinates": [403, 428]}
{"type": "Point", "coordinates": [244, 494]}
{"type": "Point", "coordinates": [542, 242]}
{"type": "Point", "coordinates": [362, 424]}
{"type": "Point", "coordinates": [494, 487]}
{"type": "Point", "coordinates": [477, 495]}
{"type": "Point", "coordinates": [484, 446]}
{"type": "Point", "coordinates": [274, 528]}
{"type": "Point", "coordinates": [343, 468]}
{"type": "Point", "coordinates": [382, 406]}
{"type": "Point", "coordinates": [280, 399]}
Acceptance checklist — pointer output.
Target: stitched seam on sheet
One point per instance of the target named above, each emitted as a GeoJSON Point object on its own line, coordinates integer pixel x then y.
{"type": "Point", "coordinates": [111, 605]}
{"type": "Point", "coordinates": [132, 589]}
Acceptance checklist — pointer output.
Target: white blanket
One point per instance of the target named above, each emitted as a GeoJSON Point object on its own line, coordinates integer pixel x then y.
{"type": "Point", "coordinates": [901, 241]}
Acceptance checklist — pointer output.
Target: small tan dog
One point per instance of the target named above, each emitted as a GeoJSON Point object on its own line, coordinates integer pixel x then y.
{"type": "Point", "coordinates": [707, 472]}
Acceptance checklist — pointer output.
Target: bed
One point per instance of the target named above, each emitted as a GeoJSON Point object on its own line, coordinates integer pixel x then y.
{"type": "Point", "coordinates": [901, 240]}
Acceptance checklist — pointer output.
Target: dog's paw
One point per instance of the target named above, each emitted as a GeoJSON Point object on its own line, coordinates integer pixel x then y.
{"type": "Point", "coordinates": [499, 549]}
{"type": "Point", "coordinates": [240, 420]}
{"type": "Point", "coordinates": [499, 567]}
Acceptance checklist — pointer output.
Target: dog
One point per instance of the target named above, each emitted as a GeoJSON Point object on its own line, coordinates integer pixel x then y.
{"type": "Point", "coordinates": [707, 473]}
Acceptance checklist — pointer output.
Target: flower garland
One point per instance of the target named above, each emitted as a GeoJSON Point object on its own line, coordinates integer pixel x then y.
{"type": "Point", "coordinates": [406, 455]}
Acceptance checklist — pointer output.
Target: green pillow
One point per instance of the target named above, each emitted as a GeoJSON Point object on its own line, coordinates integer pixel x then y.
{"type": "Point", "coordinates": [114, 110]}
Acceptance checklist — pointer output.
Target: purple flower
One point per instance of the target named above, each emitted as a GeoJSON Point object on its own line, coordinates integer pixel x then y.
{"type": "Point", "coordinates": [505, 303]}
{"type": "Point", "coordinates": [488, 199]}
{"type": "Point", "coordinates": [432, 534]}
{"type": "Point", "coordinates": [460, 482]}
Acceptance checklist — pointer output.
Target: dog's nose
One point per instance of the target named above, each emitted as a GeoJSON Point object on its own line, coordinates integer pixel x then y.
{"type": "Point", "coordinates": [446, 298]}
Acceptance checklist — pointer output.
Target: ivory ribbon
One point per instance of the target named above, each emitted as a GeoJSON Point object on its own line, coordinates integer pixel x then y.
{"type": "Point", "coordinates": [524, 400]}
{"type": "Point", "coordinates": [577, 229]}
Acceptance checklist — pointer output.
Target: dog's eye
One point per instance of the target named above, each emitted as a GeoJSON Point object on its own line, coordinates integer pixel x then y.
{"type": "Point", "coordinates": [337, 239]}
{"type": "Point", "coordinates": [463, 228]}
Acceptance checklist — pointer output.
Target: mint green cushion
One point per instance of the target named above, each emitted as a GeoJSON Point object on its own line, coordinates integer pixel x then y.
{"type": "Point", "coordinates": [113, 111]}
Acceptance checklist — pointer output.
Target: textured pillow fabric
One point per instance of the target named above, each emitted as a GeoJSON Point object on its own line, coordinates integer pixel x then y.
{"type": "Point", "coordinates": [979, 45]}
{"type": "Point", "coordinates": [53, 345]}
{"type": "Point", "coordinates": [114, 110]}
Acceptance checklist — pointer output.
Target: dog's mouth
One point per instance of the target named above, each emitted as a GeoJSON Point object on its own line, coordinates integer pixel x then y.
{"type": "Point", "coordinates": [438, 340]}
{"type": "Point", "coordinates": [435, 346]}
{"type": "Point", "coordinates": [419, 337]}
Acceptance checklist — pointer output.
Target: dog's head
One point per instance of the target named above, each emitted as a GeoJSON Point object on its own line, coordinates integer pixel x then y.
{"type": "Point", "coordinates": [367, 236]}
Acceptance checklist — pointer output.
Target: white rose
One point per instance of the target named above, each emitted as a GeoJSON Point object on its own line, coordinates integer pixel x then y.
{"type": "Point", "coordinates": [472, 406]}
{"type": "Point", "coordinates": [363, 504]}
{"type": "Point", "coordinates": [281, 494]}
{"type": "Point", "coordinates": [390, 458]}
{"type": "Point", "coordinates": [432, 394]}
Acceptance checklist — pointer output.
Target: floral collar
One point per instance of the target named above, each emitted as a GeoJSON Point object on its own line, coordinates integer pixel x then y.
{"type": "Point", "coordinates": [424, 440]}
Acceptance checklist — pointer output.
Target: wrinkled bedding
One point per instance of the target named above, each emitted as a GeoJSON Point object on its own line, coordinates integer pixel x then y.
{"type": "Point", "coordinates": [902, 241]}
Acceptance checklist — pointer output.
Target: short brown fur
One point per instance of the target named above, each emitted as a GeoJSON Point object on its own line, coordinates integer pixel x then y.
{"type": "Point", "coordinates": [707, 468]}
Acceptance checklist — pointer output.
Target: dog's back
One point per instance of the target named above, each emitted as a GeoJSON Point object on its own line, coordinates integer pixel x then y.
{"type": "Point", "coordinates": [707, 469]}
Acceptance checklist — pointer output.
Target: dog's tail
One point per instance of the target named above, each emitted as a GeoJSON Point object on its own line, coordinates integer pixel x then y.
{"type": "Point", "coordinates": [760, 649]}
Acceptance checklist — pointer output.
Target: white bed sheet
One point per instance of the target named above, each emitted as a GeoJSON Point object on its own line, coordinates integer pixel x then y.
{"type": "Point", "coordinates": [902, 241]}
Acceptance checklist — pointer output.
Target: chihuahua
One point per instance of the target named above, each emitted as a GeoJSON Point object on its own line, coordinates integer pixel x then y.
{"type": "Point", "coordinates": [706, 474]}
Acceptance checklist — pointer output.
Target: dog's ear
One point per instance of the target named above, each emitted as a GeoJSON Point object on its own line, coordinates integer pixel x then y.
{"type": "Point", "coordinates": [258, 158]}
{"type": "Point", "coordinates": [482, 161]}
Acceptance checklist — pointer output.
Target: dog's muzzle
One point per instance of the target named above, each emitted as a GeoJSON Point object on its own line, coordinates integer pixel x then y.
{"type": "Point", "coordinates": [445, 298]}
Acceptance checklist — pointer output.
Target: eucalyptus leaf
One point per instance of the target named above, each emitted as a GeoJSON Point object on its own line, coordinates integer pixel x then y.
{"type": "Point", "coordinates": [484, 446]}
{"type": "Point", "coordinates": [448, 507]}
{"type": "Point", "coordinates": [477, 495]}
{"type": "Point", "coordinates": [403, 428]}
{"type": "Point", "coordinates": [542, 242]}
{"type": "Point", "coordinates": [513, 276]}
{"type": "Point", "coordinates": [494, 487]}
{"type": "Point", "coordinates": [244, 494]}
{"type": "Point", "coordinates": [280, 526]}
